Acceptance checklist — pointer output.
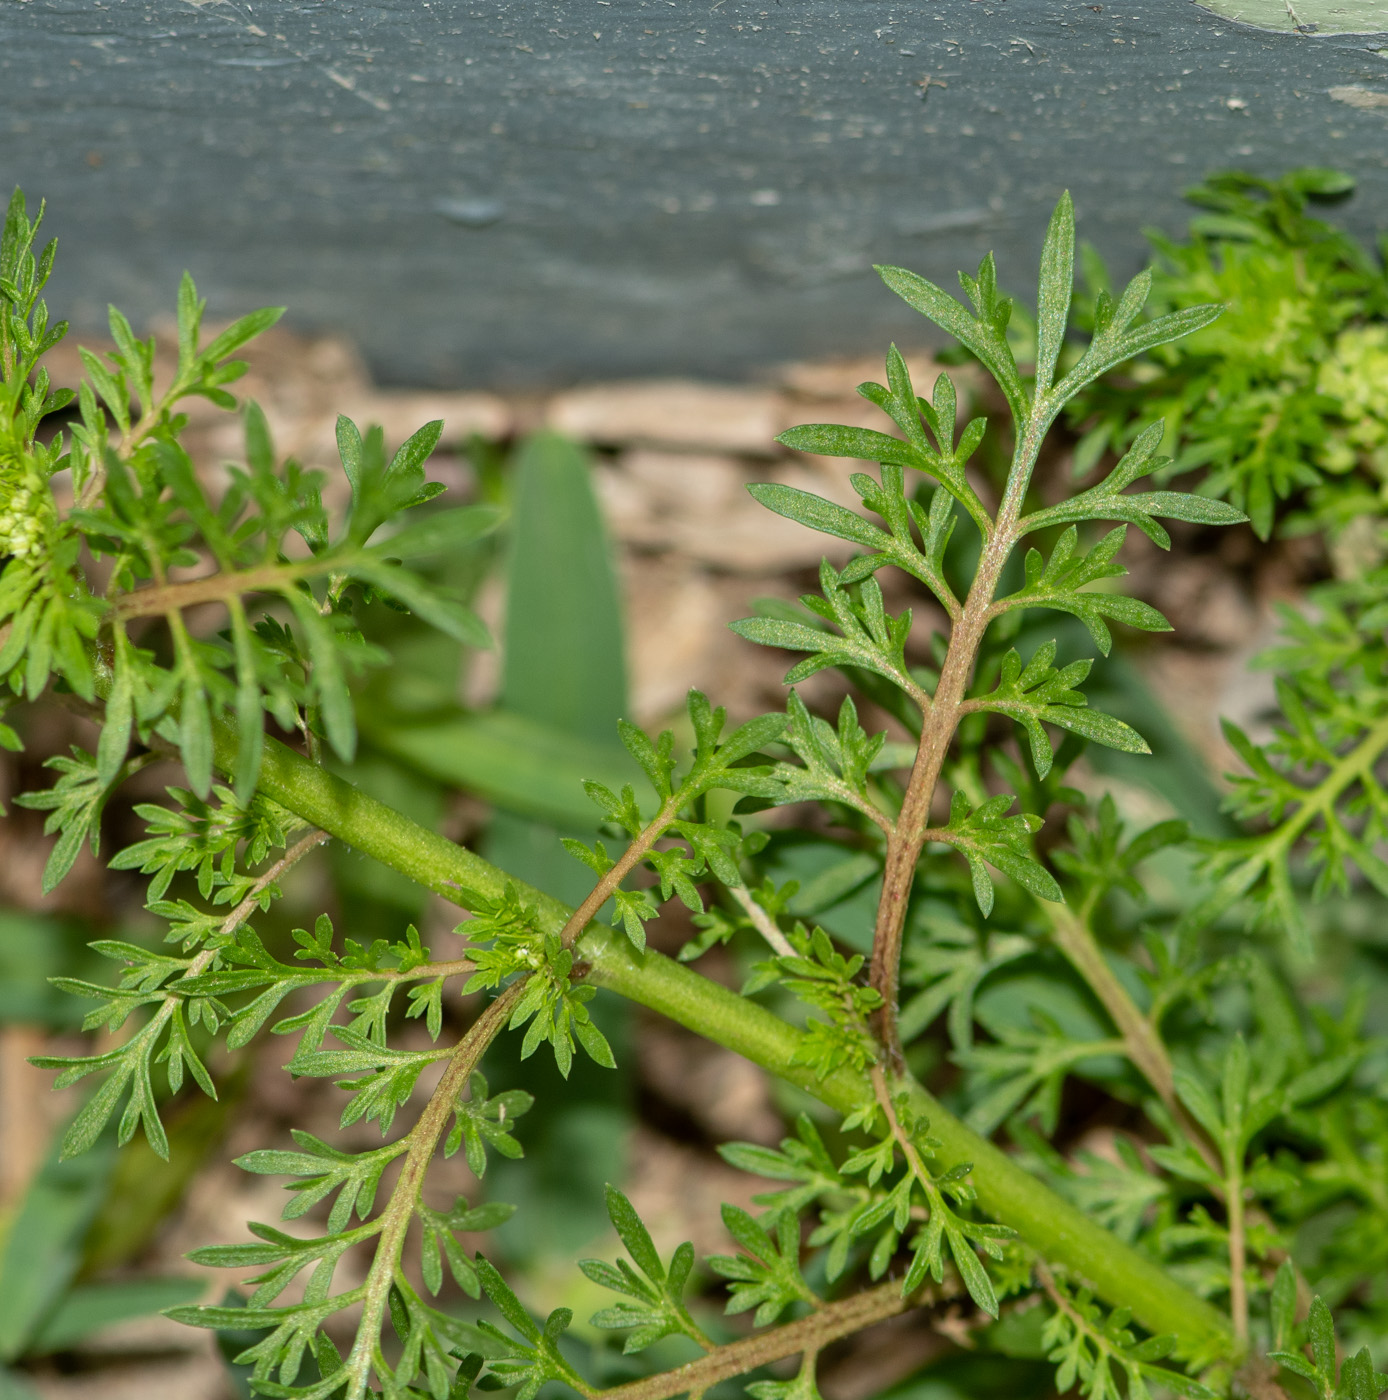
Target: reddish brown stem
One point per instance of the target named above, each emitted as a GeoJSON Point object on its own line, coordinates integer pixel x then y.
{"type": "Point", "coordinates": [904, 845]}
{"type": "Point", "coordinates": [828, 1324]}
{"type": "Point", "coordinates": [630, 859]}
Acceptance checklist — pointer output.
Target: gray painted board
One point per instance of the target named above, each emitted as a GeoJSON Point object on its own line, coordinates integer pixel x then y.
{"type": "Point", "coordinates": [526, 191]}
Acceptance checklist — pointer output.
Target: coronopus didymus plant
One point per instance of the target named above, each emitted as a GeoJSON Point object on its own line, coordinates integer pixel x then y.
{"type": "Point", "coordinates": [1231, 1239]}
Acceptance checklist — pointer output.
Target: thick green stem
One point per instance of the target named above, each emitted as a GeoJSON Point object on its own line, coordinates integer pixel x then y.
{"type": "Point", "coordinates": [335, 806]}
{"type": "Point", "coordinates": [1006, 1192]}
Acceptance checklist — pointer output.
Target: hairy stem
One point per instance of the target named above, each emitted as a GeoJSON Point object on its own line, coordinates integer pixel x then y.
{"type": "Point", "coordinates": [1007, 1192]}
{"type": "Point", "coordinates": [905, 843]}
{"type": "Point", "coordinates": [1238, 1250]}
{"type": "Point", "coordinates": [761, 920]}
{"type": "Point", "coordinates": [287, 861]}
{"type": "Point", "coordinates": [241, 913]}
{"type": "Point", "coordinates": [1101, 1344]}
{"type": "Point", "coordinates": [629, 860]}
{"type": "Point", "coordinates": [395, 1219]}
{"type": "Point", "coordinates": [215, 588]}
{"type": "Point", "coordinates": [940, 720]}
{"type": "Point", "coordinates": [808, 1334]}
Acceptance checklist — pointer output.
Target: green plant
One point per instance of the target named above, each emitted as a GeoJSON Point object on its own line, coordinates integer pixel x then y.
{"type": "Point", "coordinates": [1282, 401]}
{"type": "Point", "coordinates": [1250, 1113]}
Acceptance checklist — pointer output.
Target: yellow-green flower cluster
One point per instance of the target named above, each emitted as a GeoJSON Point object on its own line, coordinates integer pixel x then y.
{"type": "Point", "coordinates": [1356, 375]}
{"type": "Point", "coordinates": [24, 503]}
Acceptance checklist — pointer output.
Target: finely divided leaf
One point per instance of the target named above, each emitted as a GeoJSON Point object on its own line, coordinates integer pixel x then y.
{"type": "Point", "coordinates": [984, 338]}
{"type": "Point", "coordinates": [1058, 583]}
{"type": "Point", "coordinates": [1039, 693]}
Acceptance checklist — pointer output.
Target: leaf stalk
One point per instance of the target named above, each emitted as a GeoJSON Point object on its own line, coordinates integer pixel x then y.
{"type": "Point", "coordinates": [395, 1218]}
{"type": "Point", "coordinates": [807, 1334]}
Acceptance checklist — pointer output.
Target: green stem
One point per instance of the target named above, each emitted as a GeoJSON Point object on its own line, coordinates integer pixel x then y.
{"type": "Point", "coordinates": [1142, 1042]}
{"type": "Point", "coordinates": [1006, 1192]}
{"type": "Point", "coordinates": [1357, 765]}
{"type": "Point", "coordinates": [335, 806]}
{"type": "Point", "coordinates": [1070, 932]}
